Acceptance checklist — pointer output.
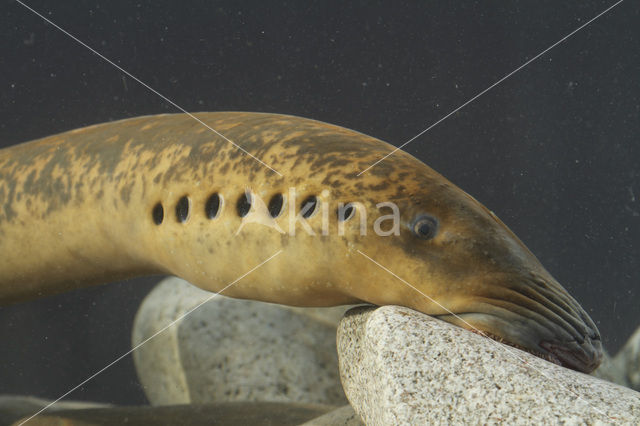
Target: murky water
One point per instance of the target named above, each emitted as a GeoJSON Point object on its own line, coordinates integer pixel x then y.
{"type": "Point", "coordinates": [553, 149]}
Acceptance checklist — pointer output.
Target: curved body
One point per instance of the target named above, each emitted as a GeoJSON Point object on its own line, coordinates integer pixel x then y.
{"type": "Point", "coordinates": [164, 194]}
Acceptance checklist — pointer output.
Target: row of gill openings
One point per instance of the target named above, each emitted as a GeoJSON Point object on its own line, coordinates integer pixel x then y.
{"type": "Point", "coordinates": [214, 204]}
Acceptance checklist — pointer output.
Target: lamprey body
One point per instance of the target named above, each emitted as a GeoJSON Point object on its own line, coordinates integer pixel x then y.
{"type": "Point", "coordinates": [165, 195]}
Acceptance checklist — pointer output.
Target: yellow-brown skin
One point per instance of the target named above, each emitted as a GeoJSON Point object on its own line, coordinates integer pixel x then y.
{"type": "Point", "coordinates": [76, 209]}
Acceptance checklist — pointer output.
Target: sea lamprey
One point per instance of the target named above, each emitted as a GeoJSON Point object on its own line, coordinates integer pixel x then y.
{"type": "Point", "coordinates": [165, 195]}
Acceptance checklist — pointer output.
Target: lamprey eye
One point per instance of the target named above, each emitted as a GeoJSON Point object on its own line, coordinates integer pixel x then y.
{"type": "Point", "coordinates": [425, 227]}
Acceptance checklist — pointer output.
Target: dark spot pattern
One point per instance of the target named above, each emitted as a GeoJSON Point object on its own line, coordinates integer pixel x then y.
{"type": "Point", "coordinates": [120, 163]}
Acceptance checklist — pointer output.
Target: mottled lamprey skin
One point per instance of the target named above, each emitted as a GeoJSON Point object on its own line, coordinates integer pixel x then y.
{"type": "Point", "coordinates": [76, 209]}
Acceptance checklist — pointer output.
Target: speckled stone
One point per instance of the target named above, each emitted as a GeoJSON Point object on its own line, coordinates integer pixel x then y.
{"type": "Point", "coordinates": [399, 366]}
{"type": "Point", "coordinates": [234, 350]}
{"type": "Point", "coordinates": [343, 416]}
{"type": "Point", "coordinates": [628, 361]}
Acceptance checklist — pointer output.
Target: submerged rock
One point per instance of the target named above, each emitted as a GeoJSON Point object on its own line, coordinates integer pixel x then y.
{"type": "Point", "coordinates": [228, 414]}
{"type": "Point", "coordinates": [343, 416]}
{"type": "Point", "coordinates": [611, 371]}
{"type": "Point", "coordinates": [14, 407]}
{"type": "Point", "coordinates": [234, 350]}
{"type": "Point", "coordinates": [399, 366]}
{"type": "Point", "coordinates": [628, 361]}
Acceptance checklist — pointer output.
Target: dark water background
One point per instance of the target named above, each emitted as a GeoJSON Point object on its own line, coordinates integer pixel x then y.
{"type": "Point", "coordinates": [554, 150]}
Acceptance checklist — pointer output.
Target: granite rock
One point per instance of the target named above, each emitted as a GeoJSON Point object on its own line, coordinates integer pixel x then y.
{"type": "Point", "coordinates": [399, 366]}
{"type": "Point", "coordinates": [234, 350]}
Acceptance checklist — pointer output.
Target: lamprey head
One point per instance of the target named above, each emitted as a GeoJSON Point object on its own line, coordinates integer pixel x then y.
{"type": "Point", "coordinates": [466, 267]}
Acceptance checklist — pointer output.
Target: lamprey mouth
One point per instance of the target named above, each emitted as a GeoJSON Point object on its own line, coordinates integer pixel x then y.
{"type": "Point", "coordinates": [584, 357]}
{"type": "Point", "coordinates": [539, 337]}
{"type": "Point", "coordinates": [533, 314]}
